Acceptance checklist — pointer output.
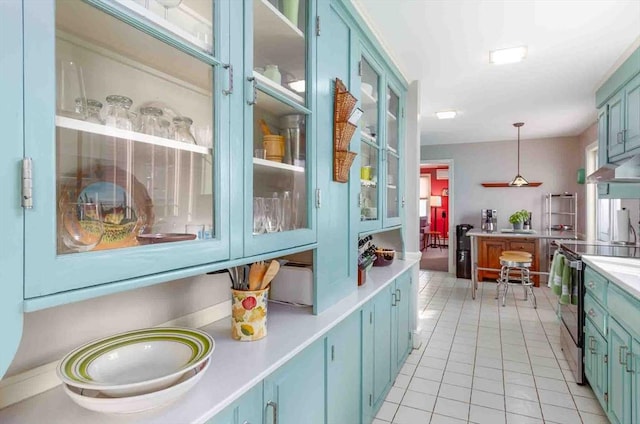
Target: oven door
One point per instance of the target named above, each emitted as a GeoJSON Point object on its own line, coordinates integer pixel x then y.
{"type": "Point", "coordinates": [572, 320]}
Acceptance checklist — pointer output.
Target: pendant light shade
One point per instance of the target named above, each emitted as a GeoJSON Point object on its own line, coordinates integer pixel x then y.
{"type": "Point", "coordinates": [519, 180]}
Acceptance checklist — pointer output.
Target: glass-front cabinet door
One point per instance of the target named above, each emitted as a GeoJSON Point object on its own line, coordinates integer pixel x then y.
{"type": "Point", "coordinates": [370, 145]}
{"type": "Point", "coordinates": [393, 191]}
{"type": "Point", "coordinates": [127, 117]}
{"type": "Point", "coordinates": [278, 125]}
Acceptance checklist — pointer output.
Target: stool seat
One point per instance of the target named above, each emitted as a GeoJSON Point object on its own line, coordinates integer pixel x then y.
{"type": "Point", "coordinates": [517, 252]}
{"type": "Point", "coordinates": [513, 260]}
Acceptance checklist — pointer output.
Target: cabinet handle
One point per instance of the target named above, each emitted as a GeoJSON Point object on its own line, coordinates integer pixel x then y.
{"type": "Point", "coordinates": [275, 411]}
{"type": "Point", "coordinates": [591, 344]}
{"type": "Point", "coordinates": [629, 362]}
{"type": "Point", "coordinates": [591, 313]}
{"type": "Point", "coordinates": [254, 99]}
{"type": "Point", "coordinates": [229, 89]}
{"type": "Point", "coordinates": [399, 293]}
{"type": "Point", "coordinates": [591, 284]}
{"type": "Point", "coordinates": [393, 302]}
{"type": "Point", "coordinates": [246, 422]}
{"type": "Point", "coordinates": [622, 355]}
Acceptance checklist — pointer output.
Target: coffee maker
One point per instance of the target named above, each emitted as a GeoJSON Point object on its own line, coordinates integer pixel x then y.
{"type": "Point", "coordinates": [489, 220]}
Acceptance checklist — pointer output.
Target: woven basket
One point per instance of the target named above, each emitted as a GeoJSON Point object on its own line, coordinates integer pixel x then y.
{"type": "Point", "coordinates": [343, 133]}
{"type": "Point", "coordinates": [341, 165]}
{"type": "Point", "coordinates": [345, 102]}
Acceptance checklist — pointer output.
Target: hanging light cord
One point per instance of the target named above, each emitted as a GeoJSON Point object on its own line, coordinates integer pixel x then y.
{"type": "Point", "coordinates": [518, 150]}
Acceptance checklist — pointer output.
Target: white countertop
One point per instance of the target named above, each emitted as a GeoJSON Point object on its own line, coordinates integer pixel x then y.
{"type": "Point", "coordinates": [236, 366]}
{"type": "Point", "coordinates": [623, 272]}
{"type": "Point", "coordinates": [567, 235]}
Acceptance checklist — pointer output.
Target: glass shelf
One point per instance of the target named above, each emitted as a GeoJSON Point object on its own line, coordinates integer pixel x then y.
{"type": "Point", "coordinates": [263, 164]}
{"type": "Point", "coordinates": [368, 138]}
{"type": "Point", "coordinates": [91, 128]}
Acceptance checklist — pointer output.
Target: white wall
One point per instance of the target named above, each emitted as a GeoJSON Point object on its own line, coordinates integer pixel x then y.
{"type": "Point", "coordinates": [553, 161]}
{"type": "Point", "coordinates": [51, 333]}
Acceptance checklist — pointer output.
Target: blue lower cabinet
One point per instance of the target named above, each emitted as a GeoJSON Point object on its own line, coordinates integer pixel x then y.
{"type": "Point", "coordinates": [382, 370]}
{"type": "Point", "coordinates": [595, 364]}
{"type": "Point", "coordinates": [344, 369]}
{"type": "Point", "coordinates": [619, 374]}
{"type": "Point", "coordinates": [400, 326]}
{"type": "Point", "coordinates": [635, 380]}
{"type": "Point", "coordinates": [246, 410]}
{"type": "Point", "coordinates": [295, 393]}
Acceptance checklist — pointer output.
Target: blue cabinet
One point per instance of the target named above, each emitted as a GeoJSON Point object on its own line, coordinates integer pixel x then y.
{"type": "Point", "coordinates": [246, 410]}
{"type": "Point", "coordinates": [107, 184]}
{"type": "Point", "coordinates": [295, 392]}
{"type": "Point", "coordinates": [279, 126]}
{"type": "Point", "coordinates": [382, 346]}
{"type": "Point", "coordinates": [618, 101]}
{"type": "Point", "coordinates": [620, 395]}
{"type": "Point", "coordinates": [595, 362]}
{"type": "Point", "coordinates": [634, 366]}
{"type": "Point", "coordinates": [400, 325]}
{"type": "Point", "coordinates": [344, 370]}
{"type": "Point", "coordinates": [11, 213]}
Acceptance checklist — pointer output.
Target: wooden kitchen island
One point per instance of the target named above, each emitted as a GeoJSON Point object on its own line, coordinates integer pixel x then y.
{"type": "Point", "coordinates": [486, 249]}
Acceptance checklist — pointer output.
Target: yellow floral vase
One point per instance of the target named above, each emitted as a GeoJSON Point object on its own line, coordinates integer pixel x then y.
{"type": "Point", "coordinates": [249, 314]}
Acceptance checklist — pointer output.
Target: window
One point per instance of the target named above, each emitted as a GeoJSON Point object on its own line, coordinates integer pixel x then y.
{"type": "Point", "coordinates": [425, 189]}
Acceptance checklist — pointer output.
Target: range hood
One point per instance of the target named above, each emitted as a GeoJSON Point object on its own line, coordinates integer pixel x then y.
{"type": "Point", "coordinates": [626, 172]}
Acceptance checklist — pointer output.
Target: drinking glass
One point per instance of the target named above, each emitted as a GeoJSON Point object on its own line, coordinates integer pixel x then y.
{"type": "Point", "coordinates": [182, 126]}
{"type": "Point", "coordinates": [81, 226]}
{"type": "Point", "coordinates": [150, 121]}
{"type": "Point", "coordinates": [71, 87]}
{"type": "Point", "coordinates": [258, 215]}
{"type": "Point", "coordinates": [273, 214]}
{"type": "Point", "coordinates": [118, 114]}
{"type": "Point", "coordinates": [287, 211]}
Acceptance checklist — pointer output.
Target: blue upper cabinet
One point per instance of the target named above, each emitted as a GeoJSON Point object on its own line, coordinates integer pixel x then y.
{"type": "Point", "coordinates": [279, 187]}
{"type": "Point", "coordinates": [126, 120]}
{"type": "Point", "coordinates": [381, 143]}
{"type": "Point", "coordinates": [11, 110]}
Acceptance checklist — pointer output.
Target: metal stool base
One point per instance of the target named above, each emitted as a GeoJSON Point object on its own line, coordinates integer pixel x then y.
{"type": "Point", "coordinates": [525, 281]}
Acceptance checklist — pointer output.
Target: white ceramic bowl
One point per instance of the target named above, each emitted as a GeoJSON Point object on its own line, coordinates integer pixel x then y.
{"type": "Point", "coordinates": [136, 362]}
{"type": "Point", "coordinates": [97, 401]}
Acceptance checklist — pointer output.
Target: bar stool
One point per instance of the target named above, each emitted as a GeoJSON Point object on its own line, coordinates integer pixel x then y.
{"type": "Point", "coordinates": [515, 261]}
{"type": "Point", "coordinates": [433, 239]}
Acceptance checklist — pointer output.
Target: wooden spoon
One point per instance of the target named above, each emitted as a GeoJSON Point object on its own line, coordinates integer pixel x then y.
{"type": "Point", "coordinates": [256, 274]}
{"type": "Point", "coordinates": [273, 269]}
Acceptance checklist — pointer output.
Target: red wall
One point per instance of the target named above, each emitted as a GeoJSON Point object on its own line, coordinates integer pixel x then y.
{"type": "Point", "coordinates": [436, 190]}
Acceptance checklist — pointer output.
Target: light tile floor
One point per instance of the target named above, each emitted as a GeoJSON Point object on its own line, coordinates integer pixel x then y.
{"type": "Point", "coordinates": [483, 363]}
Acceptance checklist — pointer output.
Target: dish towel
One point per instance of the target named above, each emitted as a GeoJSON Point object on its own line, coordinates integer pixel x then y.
{"type": "Point", "coordinates": [565, 297]}
{"type": "Point", "coordinates": [552, 269]}
{"type": "Point", "coordinates": [557, 274]}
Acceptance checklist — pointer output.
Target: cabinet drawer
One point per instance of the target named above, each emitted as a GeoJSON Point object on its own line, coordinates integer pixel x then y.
{"type": "Point", "coordinates": [625, 309]}
{"type": "Point", "coordinates": [526, 246]}
{"type": "Point", "coordinates": [595, 313]}
{"type": "Point", "coordinates": [596, 285]}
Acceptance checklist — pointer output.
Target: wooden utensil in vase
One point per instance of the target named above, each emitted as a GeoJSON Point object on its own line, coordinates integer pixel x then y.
{"type": "Point", "coordinates": [273, 269]}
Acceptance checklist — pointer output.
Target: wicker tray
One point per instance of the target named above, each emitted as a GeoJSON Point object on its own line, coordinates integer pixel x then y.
{"type": "Point", "coordinates": [341, 164]}
{"type": "Point", "coordinates": [343, 132]}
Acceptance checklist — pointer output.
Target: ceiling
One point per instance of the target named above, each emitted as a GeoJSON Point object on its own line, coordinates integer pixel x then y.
{"type": "Point", "coordinates": [572, 47]}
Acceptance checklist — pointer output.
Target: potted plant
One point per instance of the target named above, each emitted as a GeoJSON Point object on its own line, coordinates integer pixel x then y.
{"type": "Point", "coordinates": [518, 218]}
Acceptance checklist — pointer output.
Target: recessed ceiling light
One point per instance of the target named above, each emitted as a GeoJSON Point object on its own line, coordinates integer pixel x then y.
{"type": "Point", "coordinates": [511, 55]}
{"type": "Point", "coordinates": [450, 114]}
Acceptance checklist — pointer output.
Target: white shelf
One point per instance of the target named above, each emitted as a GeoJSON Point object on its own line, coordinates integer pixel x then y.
{"type": "Point", "coordinates": [277, 41]}
{"type": "Point", "coordinates": [368, 183]}
{"type": "Point", "coordinates": [392, 150]}
{"type": "Point", "coordinates": [290, 94]}
{"type": "Point", "coordinates": [88, 127]}
{"type": "Point", "coordinates": [392, 187]}
{"type": "Point", "coordinates": [368, 100]}
{"type": "Point", "coordinates": [171, 27]}
{"type": "Point", "coordinates": [391, 116]}
{"type": "Point", "coordinates": [263, 164]}
{"type": "Point", "coordinates": [368, 138]}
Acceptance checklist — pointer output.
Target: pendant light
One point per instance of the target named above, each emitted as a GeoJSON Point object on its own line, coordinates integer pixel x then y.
{"type": "Point", "coordinates": [518, 180]}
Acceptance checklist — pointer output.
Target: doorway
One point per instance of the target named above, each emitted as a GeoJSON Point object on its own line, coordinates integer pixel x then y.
{"type": "Point", "coordinates": [437, 251]}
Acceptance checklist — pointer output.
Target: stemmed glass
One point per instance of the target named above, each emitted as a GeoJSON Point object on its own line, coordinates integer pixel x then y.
{"type": "Point", "coordinates": [273, 214]}
{"type": "Point", "coordinates": [169, 4]}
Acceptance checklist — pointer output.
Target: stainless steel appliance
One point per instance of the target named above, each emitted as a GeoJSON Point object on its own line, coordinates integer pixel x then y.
{"type": "Point", "coordinates": [572, 316]}
{"type": "Point", "coordinates": [489, 220]}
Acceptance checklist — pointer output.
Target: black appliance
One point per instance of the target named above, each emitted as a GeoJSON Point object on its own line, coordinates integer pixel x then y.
{"type": "Point", "coordinates": [572, 316]}
{"type": "Point", "coordinates": [463, 251]}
